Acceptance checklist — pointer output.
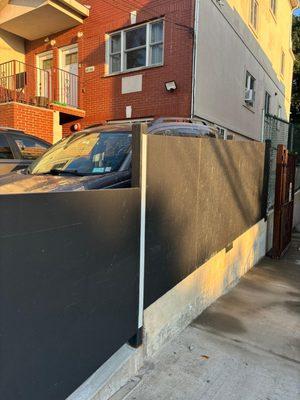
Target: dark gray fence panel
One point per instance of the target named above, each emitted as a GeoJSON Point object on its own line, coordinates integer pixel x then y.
{"type": "Point", "coordinates": [69, 274]}
{"type": "Point", "coordinates": [201, 195]}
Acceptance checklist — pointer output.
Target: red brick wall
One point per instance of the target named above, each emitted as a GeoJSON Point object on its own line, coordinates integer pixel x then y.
{"type": "Point", "coordinates": [101, 96]}
{"type": "Point", "coordinates": [33, 120]}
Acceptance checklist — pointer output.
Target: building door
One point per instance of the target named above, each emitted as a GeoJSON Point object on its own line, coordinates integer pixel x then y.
{"type": "Point", "coordinates": [69, 76]}
{"type": "Point", "coordinates": [44, 75]}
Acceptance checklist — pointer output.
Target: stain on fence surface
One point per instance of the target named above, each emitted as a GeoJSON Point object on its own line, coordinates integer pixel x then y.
{"type": "Point", "coordinates": [201, 195]}
{"type": "Point", "coordinates": [69, 275]}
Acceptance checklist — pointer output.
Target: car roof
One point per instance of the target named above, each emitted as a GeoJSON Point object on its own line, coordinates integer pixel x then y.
{"type": "Point", "coordinates": [164, 126]}
{"type": "Point", "coordinates": [12, 131]}
{"type": "Point", "coordinates": [6, 129]}
{"type": "Point", "coordinates": [108, 128]}
{"type": "Point", "coordinates": [181, 127]}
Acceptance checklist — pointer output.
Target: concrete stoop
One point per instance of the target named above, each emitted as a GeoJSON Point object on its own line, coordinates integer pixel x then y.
{"type": "Point", "coordinates": [173, 312]}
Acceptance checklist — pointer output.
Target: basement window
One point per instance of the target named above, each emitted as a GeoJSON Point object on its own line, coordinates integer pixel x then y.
{"type": "Point", "coordinates": [135, 48]}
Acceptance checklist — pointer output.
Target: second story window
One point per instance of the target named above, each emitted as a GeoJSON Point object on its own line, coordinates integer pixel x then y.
{"type": "Point", "coordinates": [137, 47]}
{"type": "Point", "coordinates": [273, 6]}
{"type": "Point", "coordinates": [254, 13]}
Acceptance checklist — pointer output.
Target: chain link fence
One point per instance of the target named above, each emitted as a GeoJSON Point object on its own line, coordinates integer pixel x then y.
{"type": "Point", "coordinates": [277, 131]}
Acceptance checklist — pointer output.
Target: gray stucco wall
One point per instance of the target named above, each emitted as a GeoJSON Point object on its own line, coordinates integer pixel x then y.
{"type": "Point", "coordinates": [226, 50]}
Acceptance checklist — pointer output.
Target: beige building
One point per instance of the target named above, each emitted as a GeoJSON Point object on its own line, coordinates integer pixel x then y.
{"type": "Point", "coordinates": [12, 47]}
{"type": "Point", "coordinates": [244, 63]}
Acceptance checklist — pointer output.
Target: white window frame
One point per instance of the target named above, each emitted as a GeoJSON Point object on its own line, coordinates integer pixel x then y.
{"type": "Point", "coordinates": [249, 78]}
{"type": "Point", "coordinates": [254, 4]}
{"type": "Point", "coordinates": [123, 51]}
{"type": "Point", "coordinates": [62, 51]}
{"type": "Point", "coordinates": [39, 58]}
{"type": "Point", "coordinates": [269, 97]}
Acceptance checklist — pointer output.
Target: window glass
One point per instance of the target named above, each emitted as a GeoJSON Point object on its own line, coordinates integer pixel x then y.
{"type": "Point", "coordinates": [30, 149]}
{"type": "Point", "coordinates": [156, 54]}
{"type": "Point", "coordinates": [156, 45]}
{"type": "Point", "coordinates": [136, 58]}
{"type": "Point", "coordinates": [250, 81]}
{"type": "Point", "coordinates": [71, 58]}
{"type": "Point", "coordinates": [115, 43]}
{"type": "Point", "coordinates": [5, 151]}
{"type": "Point", "coordinates": [115, 53]}
{"type": "Point", "coordinates": [86, 154]}
{"type": "Point", "coordinates": [115, 63]}
{"type": "Point", "coordinates": [250, 89]}
{"type": "Point", "coordinates": [267, 103]}
{"type": "Point", "coordinates": [157, 32]}
{"type": "Point", "coordinates": [47, 64]}
{"type": "Point", "coordinates": [136, 38]}
{"type": "Point", "coordinates": [136, 48]}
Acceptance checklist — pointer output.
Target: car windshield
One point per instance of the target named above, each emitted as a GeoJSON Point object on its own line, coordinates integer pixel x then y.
{"type": "Point", "coordinates": [85, 154]}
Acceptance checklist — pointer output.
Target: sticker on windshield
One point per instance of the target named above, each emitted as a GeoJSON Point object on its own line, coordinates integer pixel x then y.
{"type": "Point", "coordinates": [107, 169]}
{"type": "Point", "coordinates": [98, 170]}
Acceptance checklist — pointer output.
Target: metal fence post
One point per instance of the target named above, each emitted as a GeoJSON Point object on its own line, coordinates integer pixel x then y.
{"type": "Point", "coordinates": [136, 341]}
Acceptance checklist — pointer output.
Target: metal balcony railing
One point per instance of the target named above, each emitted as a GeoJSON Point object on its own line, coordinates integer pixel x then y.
{"type": "Point", "coordinates": [24, 83]}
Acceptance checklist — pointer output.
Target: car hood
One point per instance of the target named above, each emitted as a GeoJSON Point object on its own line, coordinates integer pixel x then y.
{"type": "Point", "coordinates": [25, 183]}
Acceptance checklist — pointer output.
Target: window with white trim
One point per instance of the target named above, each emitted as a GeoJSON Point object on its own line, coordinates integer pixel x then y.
{"type": "Point", "coordinates": [267, 102]}
{"type": "Point", "coordinates": [138, 47]}
{"type": "Point", "coordinates": [249, 89]}
{"type": "Point", "coordinates": [222, 132]}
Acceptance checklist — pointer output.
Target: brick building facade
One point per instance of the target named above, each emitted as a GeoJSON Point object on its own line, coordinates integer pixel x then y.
{"type": "Point", "coordinates": [110, 60]}
{"type": "Point", "coordinates": [100, 94]}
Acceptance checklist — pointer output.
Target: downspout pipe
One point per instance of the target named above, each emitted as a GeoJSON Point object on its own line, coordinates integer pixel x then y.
{"type": "Point", "coordinates": [195, 55]}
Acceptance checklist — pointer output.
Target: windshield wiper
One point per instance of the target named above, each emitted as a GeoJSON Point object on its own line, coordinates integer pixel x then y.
{"type": "Point", "coordinates": [56, 171]}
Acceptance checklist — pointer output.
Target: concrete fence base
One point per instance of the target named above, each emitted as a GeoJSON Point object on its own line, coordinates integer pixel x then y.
{"type": "Point", "coordinates": [173, 312]}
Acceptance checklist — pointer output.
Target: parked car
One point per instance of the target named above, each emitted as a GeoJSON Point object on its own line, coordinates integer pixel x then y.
{"type": "Point", "coordinates": [181, 127]}
{"type": "Point", "coordinates": [18, 150]}
{"type": "Point", "coordinates": [91, 159]}
{"type": "Point", "coordinates": [95, 158]}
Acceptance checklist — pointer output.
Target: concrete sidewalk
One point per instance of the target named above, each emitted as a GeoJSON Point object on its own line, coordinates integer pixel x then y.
{"type": "Point", "coordinates": [246, 346]}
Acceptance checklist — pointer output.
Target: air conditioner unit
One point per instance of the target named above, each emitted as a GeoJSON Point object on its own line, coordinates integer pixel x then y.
{"type": "Point", "coordinates": [249, 96]}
